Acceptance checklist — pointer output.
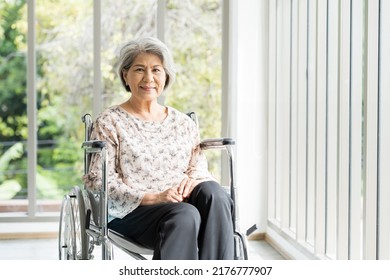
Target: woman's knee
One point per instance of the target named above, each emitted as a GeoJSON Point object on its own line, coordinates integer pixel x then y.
{"type": "Point", "coordinates": [184, 216]}
{"type": "Point", "coordinates": [211, 190]}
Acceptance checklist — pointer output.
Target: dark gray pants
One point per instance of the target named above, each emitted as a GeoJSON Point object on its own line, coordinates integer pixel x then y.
{"type": "Point", "coordinates": [198, 229]}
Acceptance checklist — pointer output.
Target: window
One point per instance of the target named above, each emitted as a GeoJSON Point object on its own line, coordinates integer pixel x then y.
{"type": "Point", "coordinates": [63, 66]}
{"type": "Point", "coordinates": [13, 115]}
{"type": "Point", "coordinates": [327, 127]}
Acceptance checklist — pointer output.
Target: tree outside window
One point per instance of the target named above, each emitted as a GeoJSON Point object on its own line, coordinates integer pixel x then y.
{"type": "Point", "coordinates": [64, 47]}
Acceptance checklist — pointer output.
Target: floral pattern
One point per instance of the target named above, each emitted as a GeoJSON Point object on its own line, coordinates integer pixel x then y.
{"type": "Point", "coordinates": [144, 157]}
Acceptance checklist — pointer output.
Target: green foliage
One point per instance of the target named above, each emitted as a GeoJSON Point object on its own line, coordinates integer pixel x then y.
{"type": "Point", "coordinates": [195, 40]}
{"type": "Point", "coordinates": [12, 72]}
{"type": "Point", "coordinates": [14, 152]}
{"type": "Point", "coordinates": [9, 189]}
{"type": "Point", "coordinates": [65, 77]}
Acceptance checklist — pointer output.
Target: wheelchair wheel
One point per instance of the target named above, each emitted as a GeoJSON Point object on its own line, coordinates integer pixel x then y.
{"type": "Point", "coordinates": [73, 239]}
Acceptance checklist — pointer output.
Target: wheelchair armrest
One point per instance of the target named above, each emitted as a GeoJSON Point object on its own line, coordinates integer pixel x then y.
{"type": "Point", "coordinates": [216, 143]}
{"type": "Point", "coordinates": [94, 144]}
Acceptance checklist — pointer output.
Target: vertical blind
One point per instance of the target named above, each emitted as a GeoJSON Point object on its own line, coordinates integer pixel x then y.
{"type": "Point", "coordinates": [329, 126]}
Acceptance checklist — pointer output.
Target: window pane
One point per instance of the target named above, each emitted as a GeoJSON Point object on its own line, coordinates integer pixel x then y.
{"type": "Point", "coordinates": [122, 21]}
{"type": "Point", "coordinates": [194, 34]}
{"type": "Point", "coordinates": [64, 40]}
{"type": "Point", "coordinates": [64, 45]}
{"type": "Point", "coordinates": [13, 106]}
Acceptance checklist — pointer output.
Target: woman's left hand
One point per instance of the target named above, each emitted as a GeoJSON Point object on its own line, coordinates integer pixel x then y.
{"type": "Point", "coordinates": [186, 186]}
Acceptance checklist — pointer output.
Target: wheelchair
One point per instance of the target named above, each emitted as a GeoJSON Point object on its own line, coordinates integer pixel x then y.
{"type": "Point", "coordinates": [84, 213]}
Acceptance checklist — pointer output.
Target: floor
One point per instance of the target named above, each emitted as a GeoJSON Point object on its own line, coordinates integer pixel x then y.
{"type": "Point", "coordinates": [26, 247]}
{"type": "Point", "coordinates": [46, 249]}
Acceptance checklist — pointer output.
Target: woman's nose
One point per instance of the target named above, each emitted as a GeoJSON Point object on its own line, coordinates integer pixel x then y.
{"type": "Point", "coordinates": [148, 76]}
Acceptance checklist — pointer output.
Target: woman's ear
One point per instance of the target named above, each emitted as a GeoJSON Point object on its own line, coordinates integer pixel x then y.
{"type": "Point", "coordinates": [124, 74]}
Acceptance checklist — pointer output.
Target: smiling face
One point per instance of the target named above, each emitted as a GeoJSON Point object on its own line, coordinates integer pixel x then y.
{"type": "Point", "coordinates": [146, 77]}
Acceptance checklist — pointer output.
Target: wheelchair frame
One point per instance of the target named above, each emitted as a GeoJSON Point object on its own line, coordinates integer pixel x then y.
{"type": "Point", "coordinates": [84, 213]}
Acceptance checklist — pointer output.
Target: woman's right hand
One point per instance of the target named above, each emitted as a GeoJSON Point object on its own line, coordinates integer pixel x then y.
{"type": "Point", "coordinates": [169, 195]}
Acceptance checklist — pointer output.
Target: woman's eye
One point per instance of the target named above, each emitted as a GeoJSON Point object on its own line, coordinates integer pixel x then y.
{"type": "Point", "coordinates": [139, 69]}
{"type": "Point", "coordinates": [159, 69]}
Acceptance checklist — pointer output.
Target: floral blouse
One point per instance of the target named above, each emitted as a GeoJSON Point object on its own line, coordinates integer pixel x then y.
{"type": "Point", "coordinates": [144, 156]}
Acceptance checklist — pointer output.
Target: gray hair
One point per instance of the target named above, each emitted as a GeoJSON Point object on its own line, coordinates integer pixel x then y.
{"type": "Point", "coordinates": [151, 45]}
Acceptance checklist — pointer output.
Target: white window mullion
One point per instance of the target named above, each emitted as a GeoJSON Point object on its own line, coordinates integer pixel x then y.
{"type": "Point", "coordinates": [160, 30]}
{"type": "Point", "coordinates": [320, 196]}
{"type": "Point", "coordinates": [31, 111]}
{"type": "Point", "coordinates": [160, 19]}
{"type": "Point", "coordinates": [294, 114]}
{"type": "Point", "coordinates": [344, 128]}
{"type": "Point", "coordinates": [356, 130]}
{"type": "Point", "coordinates": [371, 133]}
{"type": "Point", "coordinates": [278, 113]}
{"type": "Point", "coordinates": [302, 121]}
{"type": "Point", "coordinates": [283, 113]}
{"type": "Point", "coordinates": [384, 132]}
{"type": "Point", "coordinates": [311, 119]}
{"type": "Point", "coordinates": [97, 73]}
{"type": "Point", "coordinates": [332, 132]}
{"type": "Point", "coordinates": [272, 111]}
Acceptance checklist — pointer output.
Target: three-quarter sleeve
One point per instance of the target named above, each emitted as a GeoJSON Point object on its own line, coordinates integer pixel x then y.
{"type": "Point", "coordinates": [122, 198]}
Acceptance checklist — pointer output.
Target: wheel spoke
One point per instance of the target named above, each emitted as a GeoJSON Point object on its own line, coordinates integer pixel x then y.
{"type": "Point", "coordinates": [72, 236]}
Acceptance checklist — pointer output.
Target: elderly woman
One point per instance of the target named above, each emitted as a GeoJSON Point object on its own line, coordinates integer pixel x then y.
{"type": "Point", "coordinates": [161, 193]}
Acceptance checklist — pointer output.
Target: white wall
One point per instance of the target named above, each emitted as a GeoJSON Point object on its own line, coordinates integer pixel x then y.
{"type": "Point", "coordinates": [248, 75]}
